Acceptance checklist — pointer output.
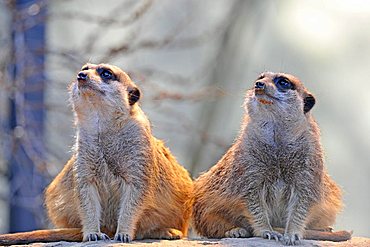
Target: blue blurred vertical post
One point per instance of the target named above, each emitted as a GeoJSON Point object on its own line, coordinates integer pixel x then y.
{"type": "Point", "coordinates": [26, 119]}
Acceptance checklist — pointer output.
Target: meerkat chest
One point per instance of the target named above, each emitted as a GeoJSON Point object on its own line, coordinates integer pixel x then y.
{"type": "Point", "coordinates": [94, 156]}
{"type": "Point", "coordinates": [275, 135]}
{"type": "Point", "coordinates": [262, 134]}
{"type": "Point", "coordinates": [279, 142]}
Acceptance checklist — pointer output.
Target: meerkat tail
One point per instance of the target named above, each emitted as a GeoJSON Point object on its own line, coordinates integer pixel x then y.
{"type": "Point", "coordinates": [50, 235]}
{"type": "Point", "coordinates": [323, 235]}
{"type": "Point", "coordinates": [337, 236]}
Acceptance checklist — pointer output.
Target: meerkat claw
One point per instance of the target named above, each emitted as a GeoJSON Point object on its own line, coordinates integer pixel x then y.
{"type": "Point", "coordinates": [272, 235]}
{"type": "Point", "coordinates": [96, 236]}
{"type": "Point", "coordinates": [291, 239]}
{"type": "Point", "coordinates": [104, 237]}
{"type": "Point", "coordinates": [122, 237]}
{"type": "Point", "coordinates": [92, 237]}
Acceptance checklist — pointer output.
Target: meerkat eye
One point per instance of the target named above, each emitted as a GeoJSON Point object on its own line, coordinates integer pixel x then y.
{"type": "Point", "coordinates": [283, 83]}
{"type": "Point", "coordinates": [106, 74]}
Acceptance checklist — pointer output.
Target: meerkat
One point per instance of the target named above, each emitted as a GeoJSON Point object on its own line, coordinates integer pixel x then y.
{"type": "Point", "coordinates": [121, 182]}
{"type": "Point", "coordinates": [272, 182]}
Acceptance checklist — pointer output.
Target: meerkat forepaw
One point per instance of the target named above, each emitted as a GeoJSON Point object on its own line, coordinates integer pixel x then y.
{"type": "Point", "coordinates": [95, 236]}
{"type": "Point", "coordinates": [122, 237]}
{"type": "Point", "coordinates": [291, 239]}
{"type": "Point", "coordinates": [237, 232]}
{"type": "Point", "coordinates": [270, 235]}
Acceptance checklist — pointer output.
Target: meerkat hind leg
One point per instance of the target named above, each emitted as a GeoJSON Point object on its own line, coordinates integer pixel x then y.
{"type": "Point", "coordinates": [164, 233]}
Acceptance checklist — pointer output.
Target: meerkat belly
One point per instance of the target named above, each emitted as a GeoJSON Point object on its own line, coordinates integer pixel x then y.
{"type": "Point", "coordinates": [277, 203]}
{"type": "Point", "coordinates": [109, 189]}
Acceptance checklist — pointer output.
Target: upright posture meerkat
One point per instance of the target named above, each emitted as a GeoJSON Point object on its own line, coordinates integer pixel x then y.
{"type": "Point", "coordinates": [273, 176]}
{"type": "Point", "coordinates": [121, 182]}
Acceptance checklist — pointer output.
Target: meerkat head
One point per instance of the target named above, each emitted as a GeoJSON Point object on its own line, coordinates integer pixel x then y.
{"type": "Point", "coordinates": [103, 88]}
{"type": "Point", "coordinates": [279, 94]}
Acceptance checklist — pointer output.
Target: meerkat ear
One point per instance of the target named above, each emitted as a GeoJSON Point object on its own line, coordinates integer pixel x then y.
{"type": "Point", "coordinates": [133, 95]}
{"type": "Point", "coordinates": [308, 102]}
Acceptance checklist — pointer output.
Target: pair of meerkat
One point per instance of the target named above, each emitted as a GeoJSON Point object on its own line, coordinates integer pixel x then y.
{"type": "Point", "coordinates": [123, 183]}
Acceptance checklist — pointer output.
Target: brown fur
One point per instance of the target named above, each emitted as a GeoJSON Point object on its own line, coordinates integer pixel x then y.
{"type": "Point", "coordinates": [121, 182]}
{"type": "Point", "coordinates": [273, 176]}
{"type": "Point", "coordinates": [67, 234]}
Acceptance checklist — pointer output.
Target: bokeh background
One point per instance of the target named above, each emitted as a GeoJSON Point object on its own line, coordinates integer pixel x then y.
{"type": "Point", "coordinates": [193, 61]}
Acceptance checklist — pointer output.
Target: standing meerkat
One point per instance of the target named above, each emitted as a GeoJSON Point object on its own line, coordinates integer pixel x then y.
{"type": "Point", "coordinates": [121, 182]}
{"type": "Point", "coordinates": [272, 182]}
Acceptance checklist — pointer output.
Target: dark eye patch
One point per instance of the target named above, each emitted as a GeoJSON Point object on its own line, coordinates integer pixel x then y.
{"type": "Point", "coordinates": [105, 74]}
{"type": "Point", "coordinates": [85, 68]}
{"type": "Point", "coordinates": [283, 83]}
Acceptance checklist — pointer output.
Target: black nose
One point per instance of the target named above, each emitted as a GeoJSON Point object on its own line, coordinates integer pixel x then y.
{"type": "Point", "coordinates": [260, 85]}
{"type": "Point", "coordinates": [82, 76]}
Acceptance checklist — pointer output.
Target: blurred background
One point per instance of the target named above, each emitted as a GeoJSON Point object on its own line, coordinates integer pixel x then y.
{"type": "Point", "coordinates": [193, 61]}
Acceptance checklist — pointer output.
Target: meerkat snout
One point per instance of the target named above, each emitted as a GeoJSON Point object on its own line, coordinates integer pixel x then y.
{"type": "Point", "coordinates": [82, 79]}
{"type": "Point", "coordinates": [259, 88]}
{"type": "Point", "coordinates": [82, 76]}
{"type": "Point", "coordinates": [259, 85]}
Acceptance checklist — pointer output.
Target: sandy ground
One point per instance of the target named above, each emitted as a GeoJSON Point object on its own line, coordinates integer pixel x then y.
{"type": "Point", "coordinates": [250, 242]}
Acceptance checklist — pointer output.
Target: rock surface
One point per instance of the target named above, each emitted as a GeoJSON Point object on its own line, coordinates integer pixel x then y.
{"type": "Point", "coordinates": [250, 242]}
